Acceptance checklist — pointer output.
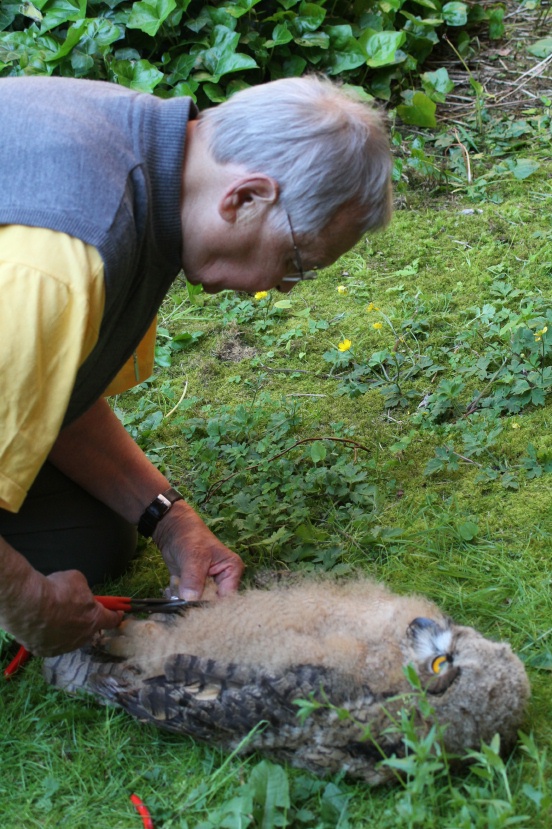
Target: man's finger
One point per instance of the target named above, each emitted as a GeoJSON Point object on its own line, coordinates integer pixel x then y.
{"type": "Point", "coordinates": [109, 618]}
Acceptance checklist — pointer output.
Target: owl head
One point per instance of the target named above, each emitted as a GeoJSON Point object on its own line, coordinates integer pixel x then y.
{"type": "Point", "coordinates": [477, 687]}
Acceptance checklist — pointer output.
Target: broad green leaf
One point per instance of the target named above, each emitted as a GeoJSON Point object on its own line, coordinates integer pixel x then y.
{"type": "Point", "coordinates": [283, 303]}
{"type": "Point", "coordinates": [237, 8]}
{"type": "Point", "coordinates": [317, 451]}
{"type": "Point", "coordinates": [380, 47]}
{"type": "Point", "coordinates": [455, 14]}
{"type": "Point", "coordinates": [8, 12]}
{"type": "Point", "coordinates": [280, 36]}
{"type": "Point", "coordinates": [29, 10]}
{"type": "Point", "coordinates": [309, 18]}
{"type": "Point", "coordinates": [390, 5]}
{"type": "Point", "coordinates": [524, 167]}
{"type": "Point", "coordinates": [193, 292]}
{"type": "Point", "coordinates": [430, 22]}
{"type": "Point", "coordinates": [214, 92]}
{"type": "Point", "coordinates": [271, 800]}
{"type": "Point", "coordinates": [496, 23]}
{"type": "Point", "coordinates": [345, 52]}
{"type": "Point", "coordinates": [74, 34]}
{"type": "Point", "coordinates": [467, 530]}
{"type": "Point", "coordinates": [139, 75]}
{"type": "Point", "coordinates": [310, 39]}
{"type": "Point", "coordinates": [294, 66]}
{"type": "Point", "coordinates": [222, 58]}
{"type": "Point", "coordinates": [420, 112]}
{"type": "Point", "coordinates": [428, 4]}
{"type": "Point", "coordinates": [81, 63]}
{"type": "Point", "coordinates": [149, 15]}
{"type": "Point", "coordinates": [181, 67]}
{"type": "Point", "coordinates": [162, 356]}
{"type": "Point", "coordinates": [437, 84]}
{"type": "Point", "coordinates": [62, 11]}
{"type": "Point", "coordinates": [541, 48]}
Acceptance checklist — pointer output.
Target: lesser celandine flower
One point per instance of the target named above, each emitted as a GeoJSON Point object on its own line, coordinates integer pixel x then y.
{"type": "Point", "coordinates": [261, 294]}
{"type": "Point", "coordinates": [342, 289]}
{"type": "Point", "coordinates": [344, 345]}
{"type": "Point", "coordinates": [372, 307]}
{"type": "Point", "coordinates": [377, 325]}
{"type": "Point", "coordinates": [515, 425]}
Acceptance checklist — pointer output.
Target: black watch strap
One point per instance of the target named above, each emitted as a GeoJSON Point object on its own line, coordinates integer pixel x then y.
{"type": "Point", "coordinates": [156, 510]}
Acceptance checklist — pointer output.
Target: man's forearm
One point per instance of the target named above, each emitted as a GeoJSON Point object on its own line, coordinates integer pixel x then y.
{"type": "Point", "coordinates": [97, 453]}
{"type": "Point", "coordinates": [20, 584]}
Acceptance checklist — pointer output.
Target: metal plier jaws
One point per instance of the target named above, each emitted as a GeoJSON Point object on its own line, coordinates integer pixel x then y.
{"type": "Point", "coordinates": [130, 605]}
{"type": "Point", "coordinates": [124, 603]}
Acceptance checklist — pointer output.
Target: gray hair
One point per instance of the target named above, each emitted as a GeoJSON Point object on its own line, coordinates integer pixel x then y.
{"type": "Point", "coordinates": [326, 148]}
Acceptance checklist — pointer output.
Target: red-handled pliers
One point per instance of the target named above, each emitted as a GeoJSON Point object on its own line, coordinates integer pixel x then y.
{"type": "Point", "coordinates": [125, 603]}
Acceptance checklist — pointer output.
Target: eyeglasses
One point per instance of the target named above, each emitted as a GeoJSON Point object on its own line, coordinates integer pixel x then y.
{"type": "Point", "coordinates": [301, 275]}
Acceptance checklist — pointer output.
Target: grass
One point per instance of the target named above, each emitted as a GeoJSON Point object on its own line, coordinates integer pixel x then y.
{"type": "Point", "coordinates": [256, 382]}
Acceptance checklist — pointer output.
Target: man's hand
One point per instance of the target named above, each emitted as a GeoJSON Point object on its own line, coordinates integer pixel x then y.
{"type": "Point", "coordinates": [192, 552]}
{"type": "Point", "coordinates": [56, 613]}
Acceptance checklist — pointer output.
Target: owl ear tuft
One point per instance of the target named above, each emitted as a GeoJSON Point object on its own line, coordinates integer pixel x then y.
{"type": "Point", "coordinates": [422, 625]}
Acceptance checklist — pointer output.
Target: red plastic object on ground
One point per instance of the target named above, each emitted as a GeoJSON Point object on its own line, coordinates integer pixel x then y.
{"type": "Point", "coordinates": [142, 810]}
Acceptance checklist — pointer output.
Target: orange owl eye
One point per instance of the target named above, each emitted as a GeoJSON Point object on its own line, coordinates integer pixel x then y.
{"type": "Point", "coordinates": [438, 663]}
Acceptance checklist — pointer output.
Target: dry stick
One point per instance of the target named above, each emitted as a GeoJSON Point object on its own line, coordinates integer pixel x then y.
{"type": "Point", "coordinates": [534, 72]}
{"type": "Point", "coordinates": [174, 408]}
{"type": "Point", "coordinates": [466, 156]}
{"type": "Point", "coordinates": [212, 489]}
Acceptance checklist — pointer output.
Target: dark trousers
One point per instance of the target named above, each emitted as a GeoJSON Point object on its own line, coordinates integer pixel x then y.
{"type": "Point", "coordinates": [62, 527]}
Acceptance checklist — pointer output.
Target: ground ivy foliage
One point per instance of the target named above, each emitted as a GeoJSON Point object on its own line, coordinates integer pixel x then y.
{"type": "Point", "coordinates": [208, 51]}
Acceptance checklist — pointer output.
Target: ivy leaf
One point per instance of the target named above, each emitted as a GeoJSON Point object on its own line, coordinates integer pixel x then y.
{"type": "Point", "coordinates": [345, 51]}
{"type": "Point", "coordinates": [280, 36]}
{"type": "Point", "coordinates": [310, 18]}
{"type": "Point", "coordinates": [455, 14]}
{"type": "Point", "coordinates": [62, 11]}
{"type": "Point", "coordinates": [148, 16]}
{"type": "Point", "coordinates": [222, 57]}
{"type": "Point", "coordinates": [437, 84]}
{"type": "Point", "coordinates": [419, 111]}
{"type": "Point", "coordinates": [380, 47]}
{"type": "Point", "coordinates": [139, 74]}
{"type": "Point", "coordinates": [240, 7]}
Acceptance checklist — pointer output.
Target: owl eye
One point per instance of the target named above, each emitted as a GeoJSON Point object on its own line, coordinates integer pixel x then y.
{"type": "Point", "coordinates": [438, 664]}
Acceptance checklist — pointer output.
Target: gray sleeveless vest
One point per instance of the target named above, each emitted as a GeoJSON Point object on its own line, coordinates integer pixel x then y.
{"type": "Point", "coordinates": [101, 163]}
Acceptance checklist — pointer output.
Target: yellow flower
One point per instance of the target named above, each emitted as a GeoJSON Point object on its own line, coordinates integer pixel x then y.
{"type": "Point", "coordinates": [538, 334]}
{"type": "Point", "coordinates": [342, 289]}
{"type": "Point", "coordinates": [345, 345]}
{"type": "Point", "coordinates": [261, 294]}
{"type": "Point", "coordinates": [515, 425]}
{"type": "Point", "coordinates": [377, 325]}
{"type": "Point", "coordinates": [372, 307]}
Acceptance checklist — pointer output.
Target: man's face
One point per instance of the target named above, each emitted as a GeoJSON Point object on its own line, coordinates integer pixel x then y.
{"type": "Point", "coordinates": [260, 260]}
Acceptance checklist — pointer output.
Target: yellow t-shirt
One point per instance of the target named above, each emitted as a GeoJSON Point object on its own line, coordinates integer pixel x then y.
{"type": "Point", "coordinates": [52, 299]}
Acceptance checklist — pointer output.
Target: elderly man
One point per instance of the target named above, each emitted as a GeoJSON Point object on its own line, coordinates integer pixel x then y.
{"type": "Point", "coordinates": [106, 194]}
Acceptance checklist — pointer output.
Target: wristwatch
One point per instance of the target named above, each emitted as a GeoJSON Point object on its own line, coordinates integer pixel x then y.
{"type": "Point", "coordinates": [159, 507]}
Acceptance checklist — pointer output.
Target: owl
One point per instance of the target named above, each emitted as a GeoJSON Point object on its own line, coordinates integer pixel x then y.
{"type": "Point", "coordinates": [232, 671]}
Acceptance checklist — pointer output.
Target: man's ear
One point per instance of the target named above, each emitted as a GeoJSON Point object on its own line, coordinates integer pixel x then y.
{"type": "Point", "coordinates": [248, 196]}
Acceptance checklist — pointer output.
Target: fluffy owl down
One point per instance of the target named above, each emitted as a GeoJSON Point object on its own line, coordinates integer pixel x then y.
{"type": "Point", "coordinates": [216, 672]}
